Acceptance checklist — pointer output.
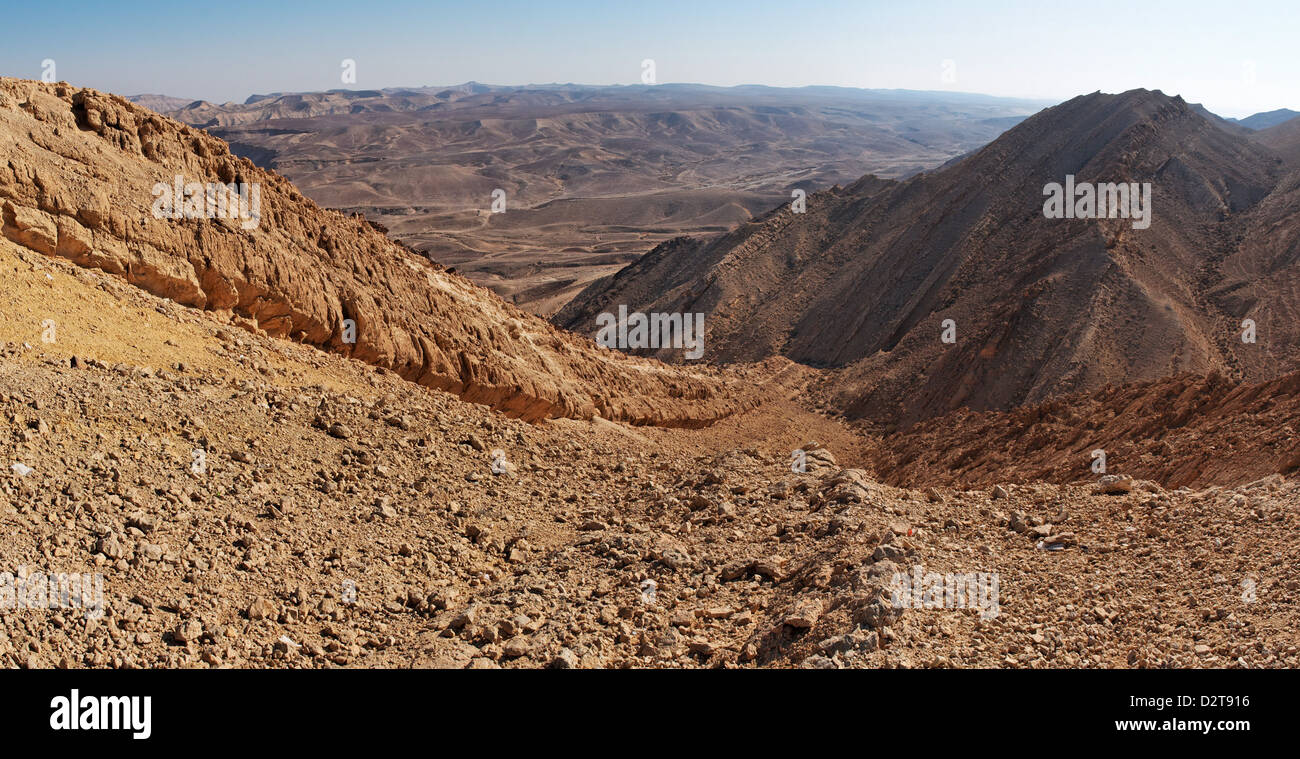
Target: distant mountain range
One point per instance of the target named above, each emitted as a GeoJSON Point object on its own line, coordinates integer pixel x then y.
{"type": "Point", "coordinates": [1267, 119]}
{"type": "Point", "coordinates": [593, 176]}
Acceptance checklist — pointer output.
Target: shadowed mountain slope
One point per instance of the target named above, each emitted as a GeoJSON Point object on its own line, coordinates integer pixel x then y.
{"type": "Point", "coordinates": [1283, 139]}
{"type": "Point", "coordinates": [865, 279]}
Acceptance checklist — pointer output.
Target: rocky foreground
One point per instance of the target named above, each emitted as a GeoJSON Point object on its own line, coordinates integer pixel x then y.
{"type": "Point", "coordinates": [343, 516]}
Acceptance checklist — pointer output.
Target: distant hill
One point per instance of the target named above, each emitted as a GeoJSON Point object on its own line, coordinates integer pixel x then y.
{"type": "Point", "coordinates": [1267, 119]}
{"type": "Point", "coordinates": [159, 103]}
{"type": "Point", "coordinates": [1284, 139]}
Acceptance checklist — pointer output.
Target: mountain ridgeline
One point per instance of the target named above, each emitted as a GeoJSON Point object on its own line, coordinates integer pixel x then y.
{"type": "Point", "coordinates": [865, 281]}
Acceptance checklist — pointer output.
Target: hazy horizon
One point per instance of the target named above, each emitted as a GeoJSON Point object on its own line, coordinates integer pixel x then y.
{"type": "Point", "coordinates": [543, 85]}
{"type": "Point", "coordinates": [1236, 64]}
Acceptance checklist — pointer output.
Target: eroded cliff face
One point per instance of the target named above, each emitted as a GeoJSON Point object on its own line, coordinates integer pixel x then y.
{"type": "Point", "coordinates": [78, 172]}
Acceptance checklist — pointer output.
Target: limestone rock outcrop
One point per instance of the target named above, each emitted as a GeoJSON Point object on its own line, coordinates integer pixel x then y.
{"type": "Point", "coordinates": [81, 177]}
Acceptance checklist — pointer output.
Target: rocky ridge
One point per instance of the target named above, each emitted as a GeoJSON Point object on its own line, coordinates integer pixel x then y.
{"type": "Point", "coordinates": [951, 289]}
{"type": "Point", "coordinates": [77, 172]}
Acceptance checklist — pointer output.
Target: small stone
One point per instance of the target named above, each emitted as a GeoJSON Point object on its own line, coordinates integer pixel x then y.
{"type": "Point", "coordinates": [384, 508]}
{"type": "Point", "coordinates": [1115, 484]}
{"type": "Point", "coordinates": [188, 631]}
{"type": "Point", "coordinates": [1063, 539]}
{"type": "Point", "coordinates": [866, 642]}
{"type": "Point", "coordinates": [702, 647]}
{"type": "Point", "coordinates": [772, 569]}
{"type": "Point", "coordinates": [260, 609]}
{"type": "Point", "coordinates": [886, 552]}
{"type": "Point", "coordinates": [111, 547]}
{"type": "Point", "coordinates": [516, 647]}
{"type": "Point", "coordinates": [285, 645]}
{"type": "Point", "coordinates": [805, 614]}
{"type": "Point", "coordinates": [142, 522]}
{"type": "Point", "coordinates": [735, 570]}
{"type": "Point", "coordinates": [467, 617]}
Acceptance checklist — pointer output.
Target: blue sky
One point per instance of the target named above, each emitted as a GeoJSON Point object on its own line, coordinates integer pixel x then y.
{"type": "Point", "coordinates": [1237, 58]}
